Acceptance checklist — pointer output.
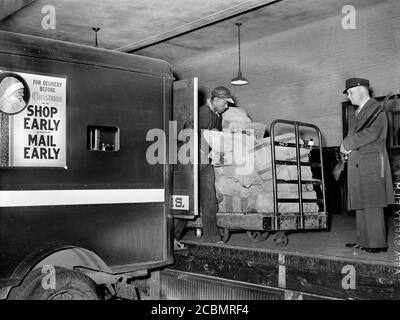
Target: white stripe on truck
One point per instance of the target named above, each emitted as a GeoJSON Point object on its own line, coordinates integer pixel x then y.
{"type": "Point", "coordinates": [23, 198]}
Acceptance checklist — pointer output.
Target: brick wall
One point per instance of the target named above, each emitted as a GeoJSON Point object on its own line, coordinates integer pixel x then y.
{"type": "Point", "coordinates": [299, 74]}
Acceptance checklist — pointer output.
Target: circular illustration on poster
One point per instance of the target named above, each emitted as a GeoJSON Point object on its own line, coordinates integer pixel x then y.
{"type": "Point", "coordinates": [14, 93]}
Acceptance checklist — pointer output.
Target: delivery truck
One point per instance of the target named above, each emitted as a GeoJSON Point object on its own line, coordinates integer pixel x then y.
{"type": "Point", "coordinates": [82, 209]}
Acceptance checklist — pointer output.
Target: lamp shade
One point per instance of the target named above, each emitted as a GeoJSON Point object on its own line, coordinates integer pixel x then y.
{"type": "Point", "coordinates": [239, 80]}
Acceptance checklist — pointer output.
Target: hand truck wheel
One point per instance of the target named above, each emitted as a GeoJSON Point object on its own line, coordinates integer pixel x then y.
{"type": "Point", "coordinates": [257, 236]}
{"type": "Point", "coordinates": [198, 232]}
{"type": "Point", "coordinates": [224, 234]}
{"type": "Point", "coordinates": [281, 239]}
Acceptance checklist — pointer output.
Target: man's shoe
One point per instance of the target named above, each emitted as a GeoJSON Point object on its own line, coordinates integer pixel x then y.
{"type": "Point", "coordinates": [375, 250]}
{"type": "Point", "coordinates": [353, 245]}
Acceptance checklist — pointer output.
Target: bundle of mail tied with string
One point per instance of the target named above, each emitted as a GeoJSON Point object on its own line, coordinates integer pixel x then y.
{"type": "Point", "coordinates": [243, 168]}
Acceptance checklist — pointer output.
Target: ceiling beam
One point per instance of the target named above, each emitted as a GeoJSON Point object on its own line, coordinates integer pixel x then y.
{"type": "Point", "coordinates": [8, 7]}
{"type": "Point", "coordinates": [225, 14]}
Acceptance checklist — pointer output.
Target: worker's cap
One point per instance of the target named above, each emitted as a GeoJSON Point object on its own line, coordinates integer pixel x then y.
{"type": "Point", "coordinates": [9, 85]}
{"type": "Point", "coordinates": [223, 93]}
{"type": "Point", "coordinates": [354, 82]}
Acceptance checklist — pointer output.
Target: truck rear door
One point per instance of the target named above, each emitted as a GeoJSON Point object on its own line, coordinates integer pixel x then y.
{"type": "Point", "coordinates": [185, 152]}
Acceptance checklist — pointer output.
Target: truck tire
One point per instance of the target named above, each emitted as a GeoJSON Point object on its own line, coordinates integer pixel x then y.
{"type": "Point", "coordinates": [69, 285]}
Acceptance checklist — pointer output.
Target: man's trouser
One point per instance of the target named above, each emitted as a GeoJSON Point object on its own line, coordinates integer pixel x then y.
{"type": "Point", "coordinates": [209, 207]}
{"type": "Point", "coordinates": [371, 230]}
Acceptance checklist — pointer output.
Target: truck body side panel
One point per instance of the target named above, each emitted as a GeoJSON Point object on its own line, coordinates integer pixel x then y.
{"type": "Point", "coordinates": [129, 101]}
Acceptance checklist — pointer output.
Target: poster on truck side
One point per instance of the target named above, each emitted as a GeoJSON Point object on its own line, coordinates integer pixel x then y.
{"type": "Point", "coordinates": [33, 120]}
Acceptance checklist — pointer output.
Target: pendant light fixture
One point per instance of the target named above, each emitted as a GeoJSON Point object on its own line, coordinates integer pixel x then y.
{"type": "Point", "coordinates": [95, 31]}
{"type": "Point", "coordinates": [239, 80]}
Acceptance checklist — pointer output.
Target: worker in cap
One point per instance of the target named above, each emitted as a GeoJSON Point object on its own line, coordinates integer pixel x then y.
{"type": "Point", "coordinates": [222, 93]}
{"type": "Point", "coordinates": [11, 95]}
{"type": "Point", "coordinates": [210, 118]}
{"type": "Point", "coordinates": [369, 180]}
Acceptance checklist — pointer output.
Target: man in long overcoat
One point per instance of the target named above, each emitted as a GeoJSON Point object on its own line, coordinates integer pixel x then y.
{"type": "Point", "coordinates": [369, 179]}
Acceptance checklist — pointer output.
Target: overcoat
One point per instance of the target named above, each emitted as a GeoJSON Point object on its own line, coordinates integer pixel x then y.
{"type": "Point", "coordinates": [369, 178]}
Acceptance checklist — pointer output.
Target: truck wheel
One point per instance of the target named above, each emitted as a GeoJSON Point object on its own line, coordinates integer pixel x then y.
{"type": "Point", "coordinates": [69, 285]}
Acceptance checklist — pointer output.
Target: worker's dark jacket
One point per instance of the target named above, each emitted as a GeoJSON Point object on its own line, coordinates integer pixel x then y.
{"type": "Point", "coordinates": [208, 120]}
{"type": "Point", "coordinates": [369, 177]}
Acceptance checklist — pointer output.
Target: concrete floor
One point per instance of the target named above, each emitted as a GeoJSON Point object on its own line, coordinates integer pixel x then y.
{"type": "Point", "coordinates": [329, 243]}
